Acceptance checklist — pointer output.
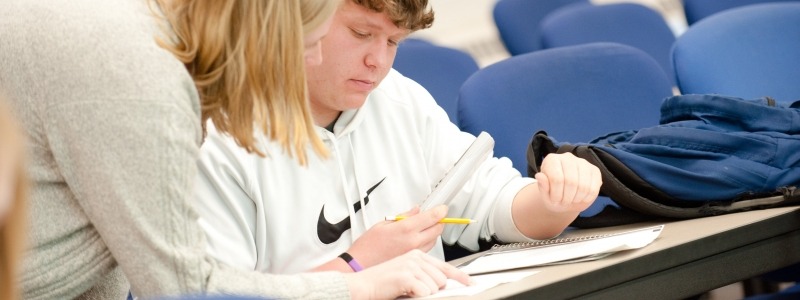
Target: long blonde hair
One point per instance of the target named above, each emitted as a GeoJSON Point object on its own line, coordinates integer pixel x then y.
{"type": "Point", "coordinates": [315, 12]}
{"type": "Point", "coordinates": [246, 58]}
{"type": "Point", "coordinates": [14, 223]}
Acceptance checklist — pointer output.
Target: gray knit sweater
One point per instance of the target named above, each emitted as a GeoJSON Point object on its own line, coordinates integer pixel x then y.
{"type": "Point", "coordinates": [114, 131]}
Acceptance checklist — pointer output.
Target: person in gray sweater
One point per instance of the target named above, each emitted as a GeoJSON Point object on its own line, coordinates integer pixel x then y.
{"type": "Point", "coordinates": [114, 126]}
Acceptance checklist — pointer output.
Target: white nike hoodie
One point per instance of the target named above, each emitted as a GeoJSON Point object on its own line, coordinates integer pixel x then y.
{"type": "Point", "coordinates": [273, 215]}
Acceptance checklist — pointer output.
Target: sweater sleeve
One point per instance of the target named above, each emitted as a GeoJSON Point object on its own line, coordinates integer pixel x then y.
{"type": "Point", "coordinates": [486, 196]}
{"type": "Point", "coordinates": [131, 164]}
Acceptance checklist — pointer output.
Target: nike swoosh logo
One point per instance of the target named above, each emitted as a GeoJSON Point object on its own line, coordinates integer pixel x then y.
{"type": "Point", "coordinates": [328, 232]}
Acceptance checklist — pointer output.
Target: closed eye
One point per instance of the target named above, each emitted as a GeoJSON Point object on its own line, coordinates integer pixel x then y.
{"type": "Point", "coordinates": [359, 34]}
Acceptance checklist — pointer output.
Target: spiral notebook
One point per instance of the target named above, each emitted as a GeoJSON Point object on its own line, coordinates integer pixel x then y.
{"type": "Point", "coordinates": [566, 249]}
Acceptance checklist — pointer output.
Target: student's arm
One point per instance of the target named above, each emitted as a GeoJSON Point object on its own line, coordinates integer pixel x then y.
{"type": "Point", "coordinates": [509, 207]}
{"type": "Point", "coordinates": [566, 186]}
{"type": "Point", "coordinates": [515, 208]}
{"type": "Point", "coordinates": [443, 144]}
{"type": "Point", "coordinates": [226, 209]}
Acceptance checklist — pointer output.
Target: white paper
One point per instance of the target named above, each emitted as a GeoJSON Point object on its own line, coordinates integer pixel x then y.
{"type": "Point", "coordinates": [482, 283]}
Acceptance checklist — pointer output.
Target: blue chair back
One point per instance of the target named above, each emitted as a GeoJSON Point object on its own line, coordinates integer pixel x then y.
{"type": "Point", "coordinates": [416, 42]}
{"type": "Point", "coordinates": [441, 70]}
{"type": "Point", "coordinates": [518, 22]}
{"type": "Point", "coordinates": [574, 93]}
{"type": "Point", "coordinates": [625, 23]}
{"type": "Point", "coordinates": [696, 10]}
{"type": "Point", "coordinates": [748, 52]}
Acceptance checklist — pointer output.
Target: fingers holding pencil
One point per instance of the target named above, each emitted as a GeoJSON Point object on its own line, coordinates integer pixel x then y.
{"type": "Point", "coordinates": [389, 239]}
{"type": "Point", "coordinates": [435, 215]}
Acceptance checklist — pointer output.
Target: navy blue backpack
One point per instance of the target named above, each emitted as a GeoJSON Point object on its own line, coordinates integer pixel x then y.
{"type": "Point", "coordinates": [710, 155]}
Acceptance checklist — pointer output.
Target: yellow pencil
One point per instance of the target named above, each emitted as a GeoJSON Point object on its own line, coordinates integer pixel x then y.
{"type": "Point", "coordinates": [444, 221]}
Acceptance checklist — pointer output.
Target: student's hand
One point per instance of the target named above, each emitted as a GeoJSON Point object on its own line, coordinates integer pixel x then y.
{"type": "Point", "coordinates": [390, 239]}
{"type": "Point", "coordinates": [413, 274]}
{"type": "Point", "coordinates": [568, 183]}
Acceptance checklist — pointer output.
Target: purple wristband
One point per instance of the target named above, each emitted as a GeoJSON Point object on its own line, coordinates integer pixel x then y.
{"type": "Point", "coordinates": [351, 262]}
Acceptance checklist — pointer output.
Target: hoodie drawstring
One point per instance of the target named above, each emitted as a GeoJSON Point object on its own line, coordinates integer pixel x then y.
{"type": "Point", "coordinates": [346, 184]}
{"type": "Point", "coordinates": [361, 193]}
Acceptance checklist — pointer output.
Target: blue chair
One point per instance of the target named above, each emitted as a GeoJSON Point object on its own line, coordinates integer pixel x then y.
{"type": "Point", "coordinates": [696, 10]}
{"type": "Point", "coordinates": [574, 93]}
{"type": "Point", "coordinates": [625, 23]}
{"type": "Point", "coordinates": [518, 22]}
{"type": "Point", "coordinates": [416, 42]}
{"type": "Point", "coordinates": [441, 70]}
{"type": "Point", "coordinates": [748, 52]}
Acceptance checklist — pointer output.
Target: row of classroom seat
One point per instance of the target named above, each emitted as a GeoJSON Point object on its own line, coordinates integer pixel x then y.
{"type": "Point", "coordinates": [745, 53]}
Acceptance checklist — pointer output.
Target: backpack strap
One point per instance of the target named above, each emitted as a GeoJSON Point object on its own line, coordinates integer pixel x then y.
{"type": "Point", "coordinates": [540, 146]}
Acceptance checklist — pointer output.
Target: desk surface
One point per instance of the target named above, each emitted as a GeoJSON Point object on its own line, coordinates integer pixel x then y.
{"type": "Point", "coordinates": [688, 258]}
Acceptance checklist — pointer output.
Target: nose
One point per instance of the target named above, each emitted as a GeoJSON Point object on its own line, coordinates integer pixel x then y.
{"type": "Point", "coordinates": [377, 56]}
{"type": "Point", "coordinates": [313, 56]}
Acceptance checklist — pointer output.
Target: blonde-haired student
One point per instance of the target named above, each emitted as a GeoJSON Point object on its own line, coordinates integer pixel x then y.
{"type": "Point", "coordinates": [112, 94]}
{"type": "Point", "coordinates": [13, 192]}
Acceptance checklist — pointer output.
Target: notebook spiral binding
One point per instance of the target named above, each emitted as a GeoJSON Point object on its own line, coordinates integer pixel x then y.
{"type": "Point", "coordinates": [549, 242]}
